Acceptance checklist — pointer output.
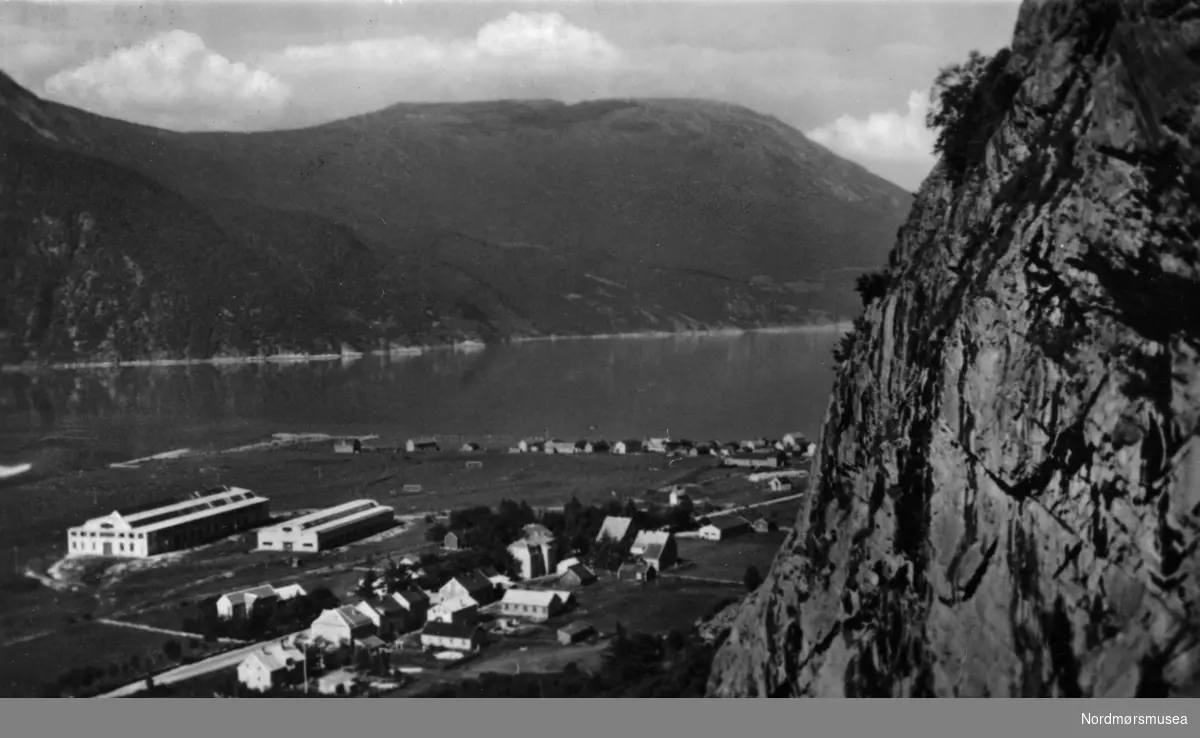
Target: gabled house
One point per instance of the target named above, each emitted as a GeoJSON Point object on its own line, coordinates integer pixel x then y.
{"type": "Point", "coordinates": [762, 525]}
{"type": "Point", "coordinates": [469, 447]}
{"type": "Point", "coordinates": [577, 575]}
{"type": "Point", "coordinates": [619, 529]}
{"type": "Point", "coordinates": [461, 609]}
{"type": "Point", "coordinates": [473, 584]}
{"type": "Point", "coordinates": [628, 446]}
{"type": "Point", "coordinates": [575, 632]}
{"type": "Point", "coordinates": [271, 666]}
{"type": "Point", "coordinates": [426, 446]}
{"type": "Point", "coordinates": [454, 542]}
{"type": "Point", "coordinates": [342, 625]}
{"type": "Point", "coordinates": [386, 614]}
{"type": "Point", "coordinates": [414, 602]}
{"type": "Point", "coordinates": [241, 604]}
{"type": "Point", "coordinates": [454, 636]}
{"type": "Point", "coordinates": [534, 553]}
{"type": "Point", "coordinates": [290, 592]}
{"type": "Point", "coordinates": [656, 547]}
{"type": "Point", "coordinates": [724, 527]}
{"type": "Point", "coordinates": [559, 446]}
{"type": "Point", "coordinates": [531, 604]}
{"type": "Point", "coordinates": [583, 446]}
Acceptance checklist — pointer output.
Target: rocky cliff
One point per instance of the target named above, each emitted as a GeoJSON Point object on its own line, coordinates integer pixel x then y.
{"type": "Point", "coordinates": [1007, 493]}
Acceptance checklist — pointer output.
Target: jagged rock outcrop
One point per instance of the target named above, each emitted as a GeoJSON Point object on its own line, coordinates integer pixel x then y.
{"type": "Point", "coordinates": [1007, 498]}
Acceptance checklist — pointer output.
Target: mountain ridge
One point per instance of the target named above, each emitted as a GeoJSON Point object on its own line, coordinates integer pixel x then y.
{"type": "Point", "coordinates": [478, 220]}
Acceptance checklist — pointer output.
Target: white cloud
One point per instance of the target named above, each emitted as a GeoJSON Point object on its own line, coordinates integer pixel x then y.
{"type": "Point", "coordinates": [545, 40]}
{"type": "Point", "coordinates": [891, 135]}
{"type": "Point", "coordinates": [172, 80]}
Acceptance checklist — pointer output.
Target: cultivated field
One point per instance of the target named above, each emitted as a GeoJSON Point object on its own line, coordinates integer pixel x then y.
{"type": "Point", "coordinates": [727, 560]}
{"type": "Point", "coordinates": [654, 607]}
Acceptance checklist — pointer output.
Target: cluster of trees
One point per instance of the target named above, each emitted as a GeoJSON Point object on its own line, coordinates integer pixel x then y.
{"type": "Point", "coordinates": [634, 665]}
{"type": "Point", "coordinates": [90, 679]}
{"type": "Point", "coordinates": [264, 622]}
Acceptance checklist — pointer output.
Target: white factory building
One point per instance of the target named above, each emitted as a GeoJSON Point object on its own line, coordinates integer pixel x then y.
{"type": "Point", "coordinates": [328, 528]}
{"type": "Point", "coordinates": [201, 517]}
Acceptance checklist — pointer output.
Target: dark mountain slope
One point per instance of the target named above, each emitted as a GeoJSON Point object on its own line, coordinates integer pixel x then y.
{"type": "Point", "coordinates": [481, 219]}
{"type": "Point", "coordinates": [1006, 497]}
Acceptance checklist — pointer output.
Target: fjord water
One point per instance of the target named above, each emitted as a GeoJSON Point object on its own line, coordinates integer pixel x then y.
{"type": "Point", "coordinates": [725, 387]}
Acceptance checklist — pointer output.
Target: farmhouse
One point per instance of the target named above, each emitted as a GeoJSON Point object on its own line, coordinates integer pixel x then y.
{"type": "Point", "coordinates": [617, 529]}
{"type": "Point", "coordinates": [289, 592]}
{"type": "Point", "coordinates": [463, 609]}
{"type": "Point", "coordinates": [656, 547]}
{"type": "Point", "coordinates": [474, 584]}
{"type": "Point", "coordinates": [764, 476]}
{"type": "Point", "coordinates": [531, 604]}
{"type": "Point", "coordinates": [454, 636]}
{"type": "Point", "coordinates": [762, 525]}
{"type": "Point", "coordinates": [271, 666]}
{"type": "Point", "coordinates": [559, 446]}
{"type": "Point", "coordinates": [577, 576]}
{"type": "Point", "coordinates": [241, 604]}
{"type": "Point", "coordinates": [385, 614]}
{"type": "Point", "coordinates": [534, 552]}
{"type": "Point", "coordinates": [726, 526]}
{"type": "Point", "coordinates": [343, 625]}
{"type": "Point", "coordinates": [575, 632]}
{"type": "Point", "coordinates": [328, 528]}
{"type": "Point", "coordinates": [415, 602]}
{"type": "Point", "coordinates": [679, 497]}
{"type": "Point", "coordinates": [656, 445]}
{"type": "Point", "coordinates": [199, 518]}
{"type": "Point", "coordinates": [628, 446]}
{"type": "Point", "coordinates": [454, 542]}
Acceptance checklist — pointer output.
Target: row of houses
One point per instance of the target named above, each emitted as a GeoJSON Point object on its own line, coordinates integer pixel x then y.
{"type": "Point", "coordinates": [243, 602]}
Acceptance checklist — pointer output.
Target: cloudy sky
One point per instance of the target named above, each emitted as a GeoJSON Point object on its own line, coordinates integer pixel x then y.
{"type": "Point", "coordinates": [853, 75]}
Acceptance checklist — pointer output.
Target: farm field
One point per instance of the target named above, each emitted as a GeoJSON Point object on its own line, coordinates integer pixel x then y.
{"type": "Point", "coordinates": [655, 607]}
{"type": "Point", "coordinates": [27, 666]}
{"type": "Point", "coordinates": [727, 560]}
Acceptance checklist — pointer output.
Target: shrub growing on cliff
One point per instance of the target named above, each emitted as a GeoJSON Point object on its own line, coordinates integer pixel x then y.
{"type": "Point", "coordinates": [967, 103]}
{"type": "Point", "coordinates": [872, 286]}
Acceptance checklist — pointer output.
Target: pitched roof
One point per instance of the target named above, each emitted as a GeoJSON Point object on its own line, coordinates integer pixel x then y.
{"type": "Point", "coordinates": [385, 606]}
{"type": "Point", "coordinates": [579, 626]}
{"type": "Point", "coordinates": [650, 537]}
{"type": "Point", "coordinates": [653, 552]}
{"type": "Point", "coordinates": [454, 604]}
{"type": "Point", "coordinates": [449, 630]}
{"type": "Point", "coordinates": [263, 590]}
{"type": "Point", "coordinates": [614, 527]}
{"type": "Point", "coordinates": [580, 571]}
{"type": "Point", "coordinates": [411, 596]}
{"type": "Point", "coordinates": [275, 656]}
{"type": "Point", "coordinates": [533, 597]}
{"type": "Point", "coordinates": [352, 616]}
{"type": "Point", "coordinates": [472, 581]}
{"type": "Point", "coordinates": [538, 535]}
{"type": "Point", "coordinates": [372, 641]}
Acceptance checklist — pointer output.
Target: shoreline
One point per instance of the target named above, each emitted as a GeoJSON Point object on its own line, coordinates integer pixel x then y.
{"type": "Point", "coordinates": [468, 345]}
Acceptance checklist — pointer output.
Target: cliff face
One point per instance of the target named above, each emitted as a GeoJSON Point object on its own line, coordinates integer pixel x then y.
{"type": "Point", "coordinates": [1006, 500]}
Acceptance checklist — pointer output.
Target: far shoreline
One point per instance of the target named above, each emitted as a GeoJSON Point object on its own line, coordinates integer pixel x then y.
{"type": "Point", "coordinates": [418, 350]}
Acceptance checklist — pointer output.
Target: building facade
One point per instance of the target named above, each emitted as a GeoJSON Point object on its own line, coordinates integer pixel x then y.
{"type": "Point", "coordinates": [454, 636]}
{"type": "Point", "coordinates": [531, 604]}
{"type": "Point", "coordinates": [328, 528]}
{"type": "Point", "coordinates": [200, 518]}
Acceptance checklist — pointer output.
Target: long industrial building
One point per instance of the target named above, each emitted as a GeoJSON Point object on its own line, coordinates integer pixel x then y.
{"type": "Point", "coordinates": [198, 518]}
{"type": "Point", "coordinates": [328, 528]}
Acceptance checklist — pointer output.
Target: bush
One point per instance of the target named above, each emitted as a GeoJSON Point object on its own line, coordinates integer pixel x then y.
{"type": "Point", "coordinates": [872, 286]}
{"type": "Point", "coordinates": [968, 101]}
{"type": "Point", "coordinates": [752, 579]}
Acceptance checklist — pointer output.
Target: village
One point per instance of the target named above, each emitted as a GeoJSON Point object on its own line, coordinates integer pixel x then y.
{"type": "Point", "coordinates": [484, 588]}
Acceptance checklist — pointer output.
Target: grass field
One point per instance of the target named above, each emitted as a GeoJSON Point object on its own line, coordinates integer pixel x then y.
{"type": "Point", "coordinates": [728, 560]}
{"type": "Point", "coordinates": [656, 607]}
{"type": "Point", "coordinates": [25, 667]}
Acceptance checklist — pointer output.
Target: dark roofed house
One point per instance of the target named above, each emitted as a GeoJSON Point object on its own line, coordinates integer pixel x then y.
{"type": "Point", "coordinates": [577, 575]}
{"type": "Point", "coordinates": [473, 584]}
{"type": "Point", "coordinates": [725, 526]}
{"type": "Point", "coordinates": [454, 636]}
{"type": "Point", "coordinates": [575, 632]}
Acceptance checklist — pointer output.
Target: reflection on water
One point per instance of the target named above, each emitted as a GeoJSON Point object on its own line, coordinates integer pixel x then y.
{"type": "Point", "coordinates": [701, 387]}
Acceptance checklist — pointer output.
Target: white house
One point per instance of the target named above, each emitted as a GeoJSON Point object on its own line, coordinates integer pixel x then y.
{"type": "Point", "coordinates": [271, 666]}
{"type": "Point", "coordinates": [679, 497]}
{"type": "Point", "coordinates": [462, 609]}
{"type": "Point", "coordinates": [387, 615]}
{"type": "Point", "coordinates": [534, 552]}
{"type": "Point", "coordinates": [342, 625]}
{"type": "Point", "coordinates": [523, 447]}
{"type": "Point", "coordinates": [811, 450]}
{"type": "Point", "coordinates": [656, 547]}
{"type": "Point", "coordinates": [290, 592]}
{"type": "Point", "coordinates": [726, 526]}
{"type": "Point", "coordinates": [531, 604]}
{"type": "Point", "coordinates": [241, 604]}
{"type": "Point", "coordinates": [657, 445]}
{"type": "Point", "coordinates": [559, 446]}
{"type": "Point", "coordinates": [628, 446]}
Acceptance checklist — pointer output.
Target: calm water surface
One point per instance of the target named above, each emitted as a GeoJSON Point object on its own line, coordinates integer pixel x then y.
{"type": "Point", "coordinates": [701, 387]}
